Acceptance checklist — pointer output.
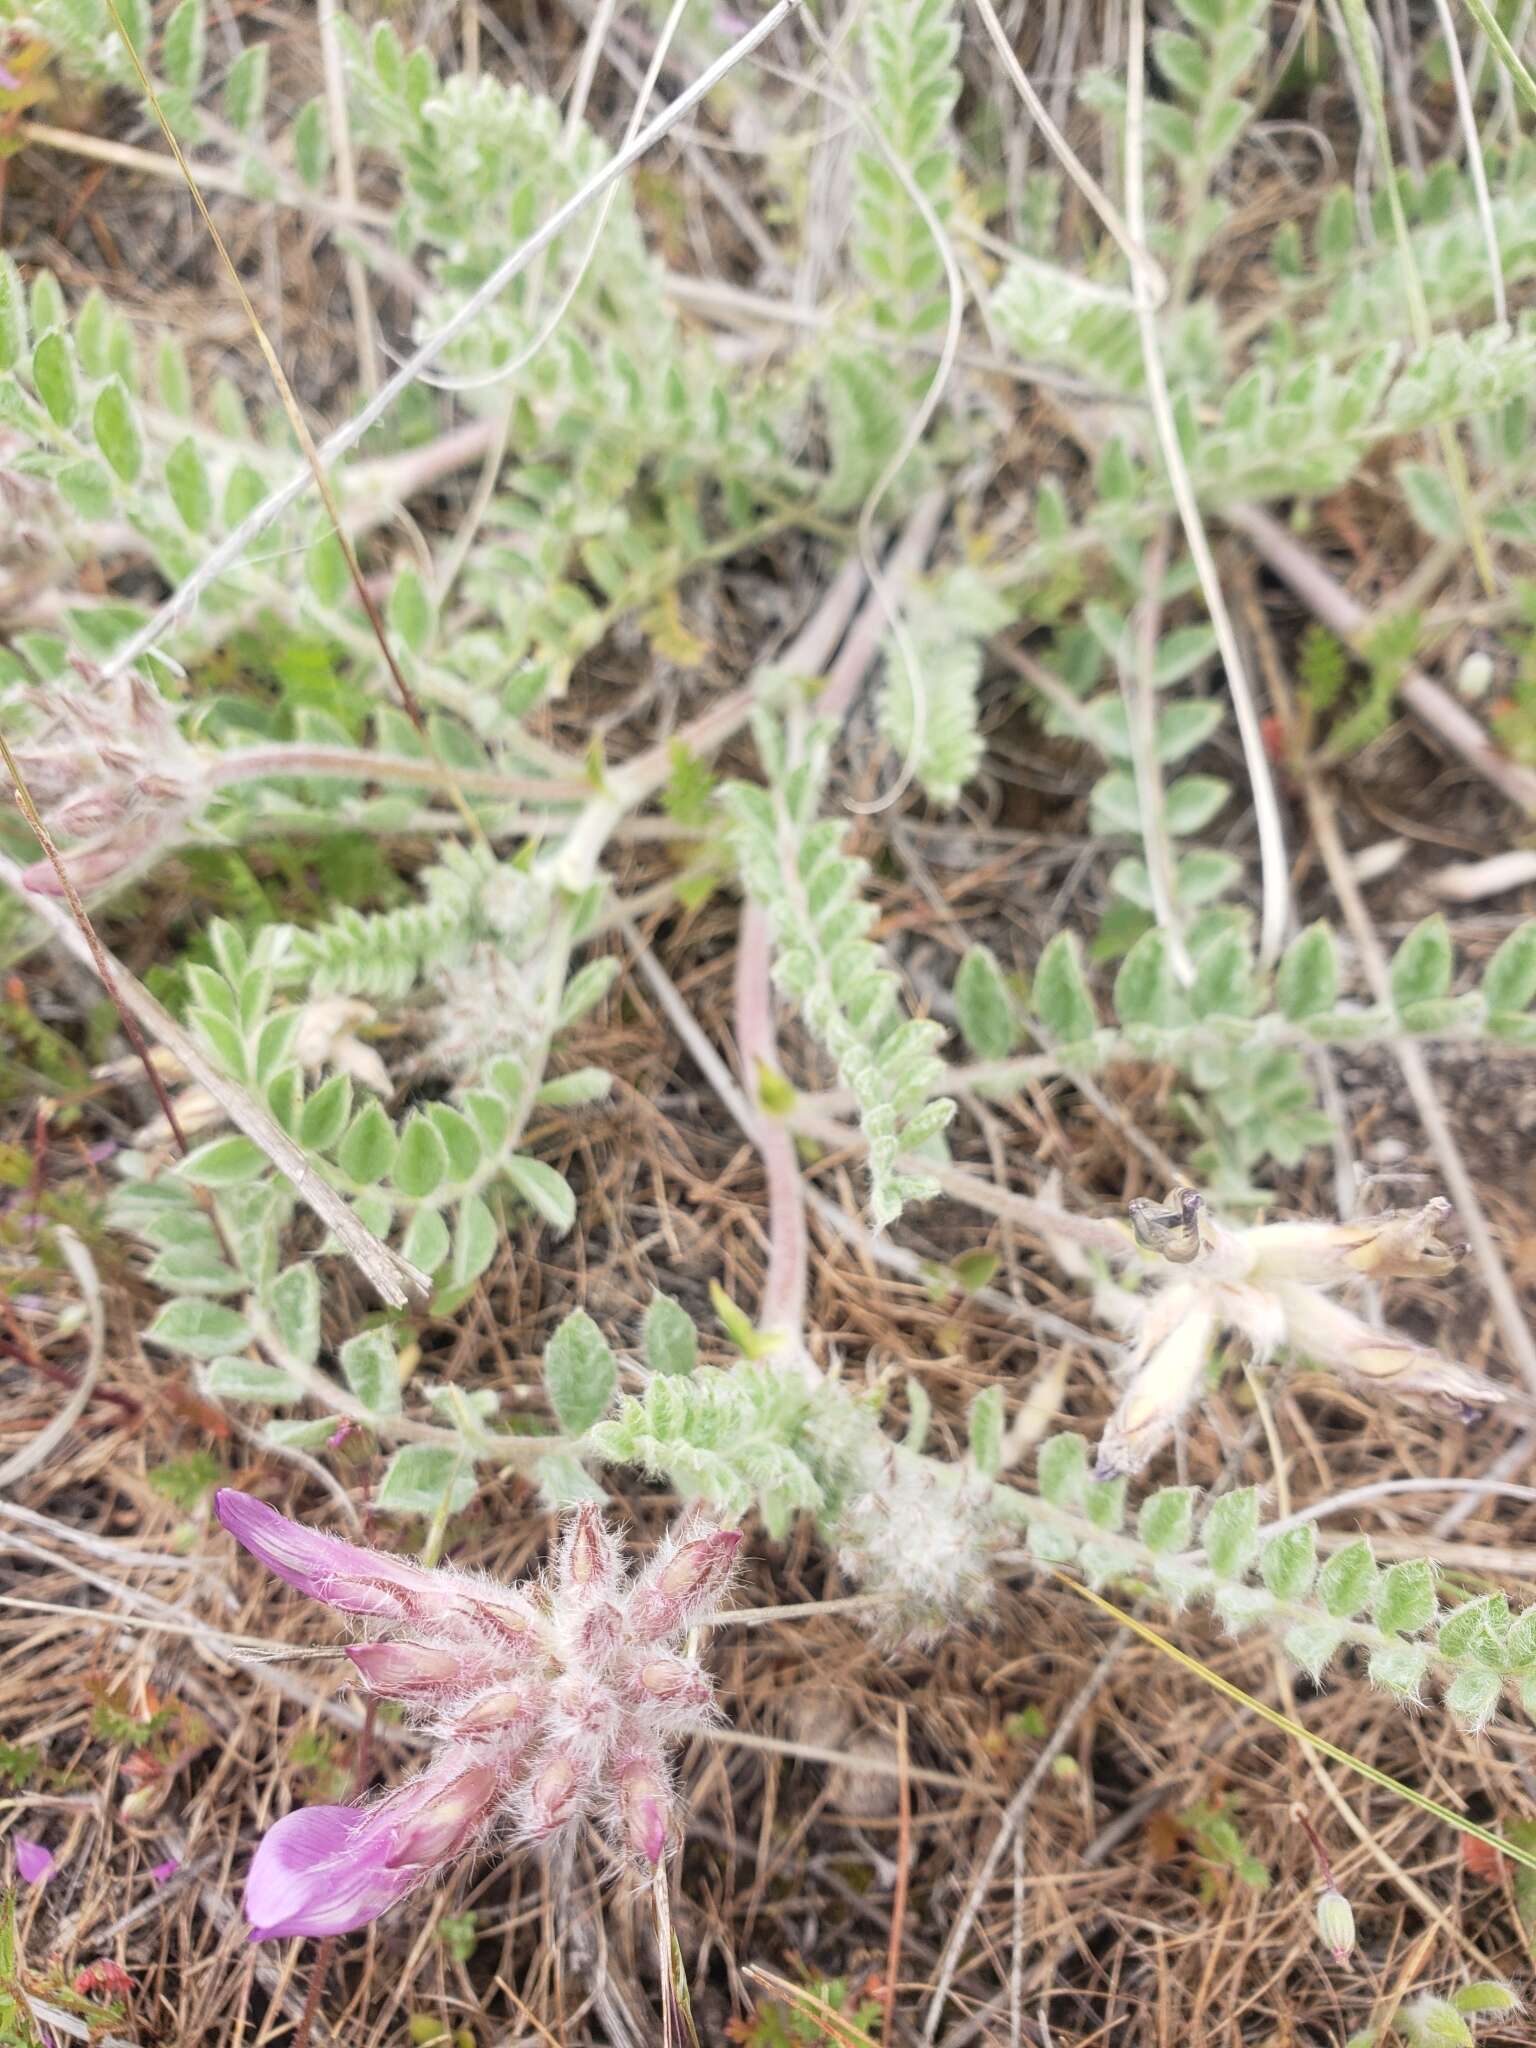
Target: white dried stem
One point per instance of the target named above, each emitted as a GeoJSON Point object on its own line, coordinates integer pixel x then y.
{"type": "Point", "coordinates": [1275, 905]}
{"type": "Point", "coordinates": [1415, 1070]}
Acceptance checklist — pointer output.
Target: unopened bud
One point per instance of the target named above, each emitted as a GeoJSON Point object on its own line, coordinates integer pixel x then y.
{"type": "Point", "coordinates": [88, 810]}
{"type": "Point", "coordinates": [510, 1710]}
{"type": "Point", "coordinates": [439, 1822]}
{"type": "Point", "coordinates": [687, 1585]}
{"type": "Point", "coordinates": [552, 1797]}
{"type": "Point", "coordinates": [1336, 1924]}
{"type": "Point", "coordinates": [587, 1716]}
{"type": "Point", "coordinates": [589, 1562]}
{"type": "Point", "coordinates": [406, 1671]}
{"type": "Point", "coordinates": [519, 1636]}
{"type": "Point", "coordinates": [644, 1805]}
{"type": "Point", "coordinates": [677, 1681]}
{"type": "Point", "coordinates": [599, 1635]}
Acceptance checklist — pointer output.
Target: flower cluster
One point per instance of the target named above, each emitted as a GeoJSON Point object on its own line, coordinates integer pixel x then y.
{"type": "Point", "coordinates": [1271, 1284]}
{"type": "Point", "coordinates": [549, 1703]}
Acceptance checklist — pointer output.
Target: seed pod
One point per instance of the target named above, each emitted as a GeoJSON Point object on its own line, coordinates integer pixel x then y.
{"type": "Point", "coordinates": [1335, 1924]}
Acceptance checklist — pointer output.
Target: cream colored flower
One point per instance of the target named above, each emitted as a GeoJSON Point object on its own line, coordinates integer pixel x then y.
{"type": "Point", "coordinates": [1167, 1364]}
{"type": "Point", "coordinates": [1270, 1285]}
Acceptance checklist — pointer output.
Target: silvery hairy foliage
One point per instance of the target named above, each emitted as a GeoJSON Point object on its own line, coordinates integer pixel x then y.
{"type": "Point", "coordinates": [640, 454]}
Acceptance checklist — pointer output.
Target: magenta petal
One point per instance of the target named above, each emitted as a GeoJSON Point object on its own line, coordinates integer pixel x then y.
{"type": "Point", "coordinates": [343, 1575]}
{"type": "Point", "coordinates": [159, 1872]}
{"type": "Point", "coordinates": [321, 1871]}
{"type": "Point", "coordinates": [34, 1863]}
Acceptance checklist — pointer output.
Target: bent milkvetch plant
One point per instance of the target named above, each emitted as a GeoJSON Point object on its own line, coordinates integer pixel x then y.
{"type": "Point", "coordinates": [549, 1703]}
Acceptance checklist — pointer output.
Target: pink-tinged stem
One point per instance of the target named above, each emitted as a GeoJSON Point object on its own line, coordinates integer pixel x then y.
{"type": "Point", "coordinates": [783, 1303]}
{"type": "Point", "coordinates": [784, 1289]}
{"type": "Point", "coordinates": [873, 623]}
{"type": "Point", "coordinates": [251, 764]}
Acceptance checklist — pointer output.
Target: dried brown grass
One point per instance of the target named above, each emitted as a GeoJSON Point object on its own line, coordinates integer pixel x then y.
{"type": "Point", "coordinates": [1109, 1927]}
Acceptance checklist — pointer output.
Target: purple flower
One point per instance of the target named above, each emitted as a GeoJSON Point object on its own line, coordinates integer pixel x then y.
{"type": "Point", "coordinates": [343, 1575]}
{"type": "Point", "coordinates": [34, 1863]}
{"type": "Point", "coordinates": [332, 1869]}
{"type": "Point", "coordinates": [549, 1704]}
{"type": "Point", "coordinates": [159, 1872]}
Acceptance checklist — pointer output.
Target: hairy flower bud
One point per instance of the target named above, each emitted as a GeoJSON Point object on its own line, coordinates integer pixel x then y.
{"type": "Point", "coordinates": [510, 1710]}
{"type": "Point", "coordinates": [586, 1716]}
{"type": "Point", "coordinates": [588, 1564]}
{"type": "Point", "coordinates": [1336, 1924]}
{"type": "Point", "coordinates": [597, 1636]}
{"type": "Point", "coordinates": [521, 1634]}
{"type": "Point", "coordinates": [408, 1671]}
{"type": "Point", "coordinates": [91, 809]}
{"type": "Point", "coordinates": [642, 1807]}
{"type": "Point", "coordinates": [671, 1681]}
{"type": "Point", "coordinates": [682, 1585]}
{"type": "Point", "coordinates": [556, 1793]}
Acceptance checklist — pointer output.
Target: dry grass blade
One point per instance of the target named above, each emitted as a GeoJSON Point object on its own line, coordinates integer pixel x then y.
{"type": "Point", "coordinates": [1471, 1828]}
